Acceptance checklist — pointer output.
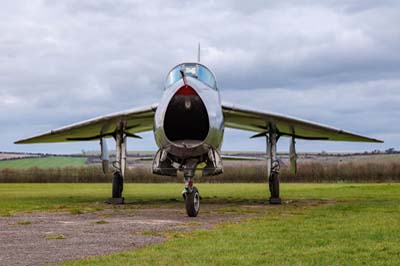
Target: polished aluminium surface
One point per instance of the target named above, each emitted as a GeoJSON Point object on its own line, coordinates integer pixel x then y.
{"type": "Point", "coordinates": [212, 102]}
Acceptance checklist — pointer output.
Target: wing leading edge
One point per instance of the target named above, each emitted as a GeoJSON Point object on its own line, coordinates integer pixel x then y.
{"type": "Point", "coordinates": [256, 121]}
{"type": "Point", "coordinates": [134, 121]}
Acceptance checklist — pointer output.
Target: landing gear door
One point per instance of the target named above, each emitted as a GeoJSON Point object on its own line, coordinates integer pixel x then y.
{"type": "Point", "coordinates": [214, 163]}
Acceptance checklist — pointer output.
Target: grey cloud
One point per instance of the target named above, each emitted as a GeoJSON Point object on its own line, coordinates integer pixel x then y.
{"type": "Point", "coordinates": [335, 62]}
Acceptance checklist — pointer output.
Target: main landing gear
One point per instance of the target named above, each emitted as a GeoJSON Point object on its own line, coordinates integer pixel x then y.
{"type": "Point", "coordinates": [273, 167]}
{"type": "Point", "coordinates": [119, 169]}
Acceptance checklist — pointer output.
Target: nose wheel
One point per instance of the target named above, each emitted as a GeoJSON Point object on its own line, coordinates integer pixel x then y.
{"type": "Point", "coordinates": [192, 202]}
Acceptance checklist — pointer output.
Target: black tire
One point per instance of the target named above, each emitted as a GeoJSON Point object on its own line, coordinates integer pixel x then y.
{"type": "Point", "coordinates": [117, 185]}
{"type": "Point", "coordinates": [274, 185]}
{"type": "Point", "coordinates": [192, 202]}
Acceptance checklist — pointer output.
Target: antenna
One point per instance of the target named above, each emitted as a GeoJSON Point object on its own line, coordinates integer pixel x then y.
{"type": "Point", "coordinates": [198, 54]}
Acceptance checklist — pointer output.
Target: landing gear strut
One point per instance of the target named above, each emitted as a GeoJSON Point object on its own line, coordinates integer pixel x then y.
{"type": "Point", "coordinates": [273, 167]}
{"type": "Point", "coordinates": [119, 168]}
{"type": "Point", "coordinates": [190, 193]}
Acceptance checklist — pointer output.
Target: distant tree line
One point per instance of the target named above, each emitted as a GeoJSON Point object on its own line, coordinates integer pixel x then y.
{"type": "Point", "coordinates": [376, 151]}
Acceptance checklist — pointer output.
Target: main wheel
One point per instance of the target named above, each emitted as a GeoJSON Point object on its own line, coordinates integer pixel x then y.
{"type": "Point", "coordinates": [192, 201]}
{"type": "Point", "coordinates": [117, 185]}
{"type": "Point", "coordinates": [274, 185]}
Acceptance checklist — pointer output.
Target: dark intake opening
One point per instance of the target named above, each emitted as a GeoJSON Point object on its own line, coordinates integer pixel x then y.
{"type": "Point", "coordinates": [186, 118]}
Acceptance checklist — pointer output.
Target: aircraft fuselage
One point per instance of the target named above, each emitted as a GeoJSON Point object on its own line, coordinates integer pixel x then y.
{"type": "Point", "coordinates": [189, 120]}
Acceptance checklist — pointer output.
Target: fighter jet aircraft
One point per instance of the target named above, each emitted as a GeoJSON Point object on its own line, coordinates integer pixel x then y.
{"type": "Point", "coordinates": [188, 125]}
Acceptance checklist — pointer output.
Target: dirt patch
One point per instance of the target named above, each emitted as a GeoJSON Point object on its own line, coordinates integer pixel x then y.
{"type": "Point", "coordinates": [41, 238]}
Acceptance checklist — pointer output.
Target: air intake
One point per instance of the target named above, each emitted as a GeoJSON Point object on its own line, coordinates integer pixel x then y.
{"type": "Point", "coordinates": [186, 117]}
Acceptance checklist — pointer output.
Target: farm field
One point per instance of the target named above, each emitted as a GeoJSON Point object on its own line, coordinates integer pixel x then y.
{"type": "Point", "coordinates": [319, 224]}
{"type": "Point", "coordinates": [44, 163]}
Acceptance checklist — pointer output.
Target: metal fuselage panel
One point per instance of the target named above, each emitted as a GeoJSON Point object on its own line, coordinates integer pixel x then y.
{"type": "Point", "coordinates": [187, 149]}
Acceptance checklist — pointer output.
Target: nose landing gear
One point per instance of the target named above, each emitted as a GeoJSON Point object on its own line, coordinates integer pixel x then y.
{"type": "Point", "coordinates": [190, 193]}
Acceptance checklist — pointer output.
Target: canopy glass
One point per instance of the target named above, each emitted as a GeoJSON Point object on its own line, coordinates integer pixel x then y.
{"type": "Point", "coordinates": [193, 70]}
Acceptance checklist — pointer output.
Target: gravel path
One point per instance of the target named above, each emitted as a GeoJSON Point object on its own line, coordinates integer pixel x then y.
{"type": "Point", "coordinates": [40, 238]}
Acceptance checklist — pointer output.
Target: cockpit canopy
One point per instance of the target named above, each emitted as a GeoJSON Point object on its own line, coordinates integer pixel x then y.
{"type": "Point", "coordinates": [194, 70]}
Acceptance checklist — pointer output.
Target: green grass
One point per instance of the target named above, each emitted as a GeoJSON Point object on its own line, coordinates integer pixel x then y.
{"type": "Point", "coordinates": [76, 211]}
{"type": "Point", "coordinates": [82, 197]}
{"type": "Point", "coordinates": [101, 222]}
{"type": "Point", "coordinates": [24, 223]}
{"type": "Point", "coordinates": [45, 162]}
{"type": "Point", "coordinates": [72, 197]}
{"type": "Point", "coordinates": [362, 228]}
{"type": "Point", "coordinates": [360, 225]}
{"type": "Point", "coordinates": [153, 233]}
{"type": "Point", "coordinates": [55, 237]}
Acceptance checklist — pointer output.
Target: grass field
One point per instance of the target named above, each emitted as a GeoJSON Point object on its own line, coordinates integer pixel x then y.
{"type": "Point", "coordinates": [44, 163]}
{"type": "Point", "coordinates": [360, 227]}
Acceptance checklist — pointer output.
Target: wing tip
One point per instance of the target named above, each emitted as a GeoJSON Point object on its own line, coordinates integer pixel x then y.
{"type": "Point", "coordinates": [21, 141]}
{"type": "Point", "coordinates": [26, 140]}
{"type": "Point", "coordinates": [366, 139]}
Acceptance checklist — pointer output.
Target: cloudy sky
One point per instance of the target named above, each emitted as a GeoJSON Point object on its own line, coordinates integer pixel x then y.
{"type": "Point", "coordinates": [333, 62]}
